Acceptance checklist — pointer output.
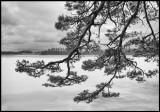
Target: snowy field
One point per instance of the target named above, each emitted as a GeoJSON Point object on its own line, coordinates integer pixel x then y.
{"type": "Point", "coordinates": [21, 92]}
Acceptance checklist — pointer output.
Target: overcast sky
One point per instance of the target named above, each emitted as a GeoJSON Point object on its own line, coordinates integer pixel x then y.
{"type": "Point", "coordinates": [30, 25]}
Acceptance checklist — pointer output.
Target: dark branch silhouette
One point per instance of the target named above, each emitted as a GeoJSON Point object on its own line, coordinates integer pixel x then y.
{"type": "Point", "coordinates": [80, 38]}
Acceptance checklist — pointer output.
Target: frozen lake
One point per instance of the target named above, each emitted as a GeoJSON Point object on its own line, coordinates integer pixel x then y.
{"type": "Point", "coordinates": [21, 92]}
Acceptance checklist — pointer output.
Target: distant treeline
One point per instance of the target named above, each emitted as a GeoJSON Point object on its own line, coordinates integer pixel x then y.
{"type": "Point", "coordinates": [54, 51]}
{"type": "Point", "coordinates": [57, 51]}
{"type": "Point", "coordinates": [18, 52]}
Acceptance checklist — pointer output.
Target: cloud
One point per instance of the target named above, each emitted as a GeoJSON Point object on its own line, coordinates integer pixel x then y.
{"type": "Point", "coordinates": [7, 17]}
{"type": "Point", "coordinates": [30, 25]}
{"type": "Point", "coordinates": [43, 38]}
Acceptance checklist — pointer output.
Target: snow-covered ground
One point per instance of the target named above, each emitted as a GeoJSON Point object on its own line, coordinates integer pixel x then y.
{"type": "Point", "coordinates": [21, 92]}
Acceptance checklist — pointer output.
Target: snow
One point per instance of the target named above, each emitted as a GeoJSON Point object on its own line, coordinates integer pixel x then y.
{"type": "Point", "coordinates": [21, 92]}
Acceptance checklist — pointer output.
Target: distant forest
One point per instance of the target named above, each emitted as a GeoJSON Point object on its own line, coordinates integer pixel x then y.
{"type": "Point", "coordinates": [52, 51]}
{"type": "Point", "coordinates": [56, 51]}
{"type": "Point", "coordinates": [14, 52]}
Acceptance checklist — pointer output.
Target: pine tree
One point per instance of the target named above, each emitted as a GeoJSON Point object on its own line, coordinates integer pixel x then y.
{"type": "Point", "coordinates": [80, 39]}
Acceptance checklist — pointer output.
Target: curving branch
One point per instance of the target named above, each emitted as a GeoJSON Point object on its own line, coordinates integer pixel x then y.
{"type": "Point", "coordinates": [67, 59]}
{"type": "Point", "coordinates": [126, 26]}
{"type": "Point", "coordinates": [113, 60]}
{"type": "Point", "coordinates": [110, 14]}
{"type": "Point", "coordinates": [157, 3]}
{"type": "Point", "coordinates": [145, 10]}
